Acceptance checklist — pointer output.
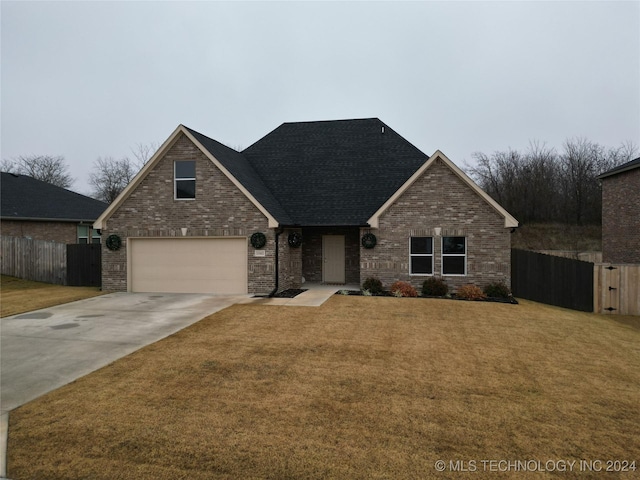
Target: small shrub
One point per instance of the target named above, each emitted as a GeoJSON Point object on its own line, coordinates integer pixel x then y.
{"type": "Point", "coordinates": [498, 290]}
{"type": "Point", "coordinates": [344, 292]}
{"type": "Point", "coordinates": [470, 292]}
{"type": "Point", "coordinates": [434, 287]}
{"type": "Point", "coordinates": [366, 293]}
{"type": "Point", "coordinates": [373, 285]}
{"type": "Point", "coordinates": [403, 289]}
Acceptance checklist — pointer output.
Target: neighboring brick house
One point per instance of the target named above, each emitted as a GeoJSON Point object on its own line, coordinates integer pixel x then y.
{"type": "Point", "coordinates": [621, 214]}
{"type": "Point", "coordinates": [305, 203]}
{"type": "Point", "coordinates": [35, 209]}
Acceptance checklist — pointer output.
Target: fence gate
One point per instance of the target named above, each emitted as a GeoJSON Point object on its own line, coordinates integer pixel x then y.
{"type": "Point", "coordinates": [84, 265]}
{"type": "Point", "coordinates": [616, 289]}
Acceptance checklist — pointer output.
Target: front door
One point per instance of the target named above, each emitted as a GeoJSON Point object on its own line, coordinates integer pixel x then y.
{"type": "Point", "coordinates": [333, 259]}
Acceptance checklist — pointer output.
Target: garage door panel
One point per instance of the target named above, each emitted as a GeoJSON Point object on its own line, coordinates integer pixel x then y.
{"type": "Point", "coordinates": [186, 265]}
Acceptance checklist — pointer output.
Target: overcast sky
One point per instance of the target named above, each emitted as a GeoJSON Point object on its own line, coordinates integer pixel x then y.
{"type": "Point", "coordinates": [93, 79]}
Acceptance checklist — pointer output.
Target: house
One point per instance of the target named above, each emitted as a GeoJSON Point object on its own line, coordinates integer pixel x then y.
{"type": "Point", "coordinates": [35, 209]}
{"type": "Point", "coordinates": [620, 213]}
{"type": "Point", "coordinates": [332, 201]}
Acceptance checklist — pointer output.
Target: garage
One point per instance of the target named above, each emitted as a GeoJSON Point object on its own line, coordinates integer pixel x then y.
{"type": "Point", "coordinates": [188, 265]}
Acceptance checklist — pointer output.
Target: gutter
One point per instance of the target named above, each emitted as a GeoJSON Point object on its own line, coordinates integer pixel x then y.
{"type": "Point", "coordinates": [277, 274]}
{"type": "Point", "coordinates": [38, 219]}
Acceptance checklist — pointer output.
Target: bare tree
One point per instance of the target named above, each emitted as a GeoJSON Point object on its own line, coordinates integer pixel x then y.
{"type": "Point", "coordinates": [143, 152]}
{"type": "Point", "coordinates": [541, 185]}
{"type": "Point", "coordinates": [46, 168]}
{"type": "Point", "coordinates": [110, 177]}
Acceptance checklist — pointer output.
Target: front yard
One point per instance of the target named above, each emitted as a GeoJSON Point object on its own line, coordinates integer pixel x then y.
{"type": "Point", "coordinates": [362, 387]}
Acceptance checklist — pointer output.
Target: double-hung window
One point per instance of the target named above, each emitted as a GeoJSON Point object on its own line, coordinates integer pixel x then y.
{"type": "Point", "coordinates": [185, 180]}
{"type": "Point", "coordinates": [421, 256]}
{"type": "Point", "coordinates": [454, 255]}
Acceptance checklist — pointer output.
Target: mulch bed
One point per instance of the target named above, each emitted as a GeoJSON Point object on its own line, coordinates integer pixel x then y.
{"type": "Point", "coordinates": [510, 300]}
{"type": "Point", "coordinates": [290, 293]}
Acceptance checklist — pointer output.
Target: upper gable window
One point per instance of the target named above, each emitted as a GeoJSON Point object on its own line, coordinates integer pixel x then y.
{"type": "Point", "coordinates": [185, 180]}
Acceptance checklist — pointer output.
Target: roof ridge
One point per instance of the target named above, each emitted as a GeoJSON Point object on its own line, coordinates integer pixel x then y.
{"type": "Point", "coordinates": [334, 121]}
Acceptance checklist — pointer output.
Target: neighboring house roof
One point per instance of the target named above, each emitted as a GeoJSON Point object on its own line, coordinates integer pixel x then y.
{"type": "Point", "coordinates": [622, 168]}
{"type": "Point", "coordinates": [25, 198]}
{"type": "Point", "coordinates": [326, 173]}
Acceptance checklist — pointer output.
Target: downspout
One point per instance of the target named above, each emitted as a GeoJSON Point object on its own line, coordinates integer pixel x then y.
{"type": "Point", "coordinates": [275, 289]}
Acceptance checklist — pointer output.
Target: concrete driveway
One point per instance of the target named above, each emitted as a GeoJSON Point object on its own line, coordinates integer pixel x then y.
{"type": "Point", "coordinates": [46, 349]}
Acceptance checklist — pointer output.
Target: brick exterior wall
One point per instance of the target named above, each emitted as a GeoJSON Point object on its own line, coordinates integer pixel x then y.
{"type": "Point", "coordinates": [60, 232]}
{"type": "Point", "coordinates": [312, 252]}
{"type": "Point", "coordinates": [621, 217]}
{"type": "Point", "coordinates": [220, 209]}
{"type": "Point", "coordinates": [290, 262]}
{"type": "Point", "coordinates": [439, 199]}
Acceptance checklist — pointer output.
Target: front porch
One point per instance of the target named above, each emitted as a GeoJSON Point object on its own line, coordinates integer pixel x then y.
{"type": "Point", "coordinates": [331, 255]}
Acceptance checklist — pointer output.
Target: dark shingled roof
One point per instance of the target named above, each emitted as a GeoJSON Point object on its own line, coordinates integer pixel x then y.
{"type": "Point", "coordinates": [622, 168]}
{"type": "Point", "coordinates": [333, 172]}
{"type": "Point", "coordinates": [242, 170]}
{"type": "Point", "coordinates": [26, 198]}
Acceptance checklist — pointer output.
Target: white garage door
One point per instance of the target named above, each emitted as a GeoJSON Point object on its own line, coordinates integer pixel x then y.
{"type": "Point", "coordinates": [188, 265]}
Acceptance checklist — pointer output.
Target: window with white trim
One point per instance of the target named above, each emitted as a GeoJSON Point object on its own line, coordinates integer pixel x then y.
{"type": "Point", "coordinates": [184, 180]}
{"type": "Point", "coordinates": [454, 256]}
{"type": "Point", "coordinates": [421, 256]}
{"type": "Point", "coordinates": [95, 236]}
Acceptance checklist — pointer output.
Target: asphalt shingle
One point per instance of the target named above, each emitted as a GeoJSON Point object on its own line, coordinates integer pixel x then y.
{"type": "Point", "coordinates": [23, 197]}
{"type": "Point", "coordinates": [333, 172]}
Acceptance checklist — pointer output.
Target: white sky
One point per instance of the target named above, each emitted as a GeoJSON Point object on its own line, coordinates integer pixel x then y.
{"type": "Point", "coordinates": [91, 79]}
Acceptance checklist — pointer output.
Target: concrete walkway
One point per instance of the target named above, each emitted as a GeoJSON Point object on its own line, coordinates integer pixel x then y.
{"type": "Point", "coordinates": [315, 295]}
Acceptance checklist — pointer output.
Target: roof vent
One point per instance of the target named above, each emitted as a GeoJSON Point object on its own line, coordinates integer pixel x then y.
{"type": "Point", "coordinates": [383, 129]}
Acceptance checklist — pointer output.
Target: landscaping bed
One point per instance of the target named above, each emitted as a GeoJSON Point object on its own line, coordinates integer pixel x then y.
{"type": "Point", "coordinates": [359, 293]}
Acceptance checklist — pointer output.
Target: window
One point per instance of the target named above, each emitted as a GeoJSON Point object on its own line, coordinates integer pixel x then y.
{"type": "Point", "coordinates": [421, 256]}
{"type": "Point", "coordinates": [185, 180]}
{"type": "Point", "coordinates": [83, 233]}
{"type": "Point", "coordinates": [454, 256]}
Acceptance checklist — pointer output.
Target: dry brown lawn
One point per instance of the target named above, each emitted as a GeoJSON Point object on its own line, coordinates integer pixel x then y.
{"type": "Point", "coordinates": [19, 296]}
{"type": "Point", "coordinates": [362, 387]}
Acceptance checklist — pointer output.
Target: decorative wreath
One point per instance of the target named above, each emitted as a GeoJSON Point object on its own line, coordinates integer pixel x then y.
{"type": "Point", "coordinates": [369, 240]}
{"type": "Point", "coordinates": [114, 242]}
{"type": "Point", "coordinates": [295, 239]}
{"type": "Point", "coordinates": [258, 240]}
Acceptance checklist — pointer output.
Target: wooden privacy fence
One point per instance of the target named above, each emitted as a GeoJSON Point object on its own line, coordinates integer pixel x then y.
{"type": "Point", "coordinates": [616, 289]}
{"type": "Point", "coordinates": [559, 281]}
{"type": "Point", "coordinates": [77, 265]}
{"type": "Point", "coordinates": [37, 260]}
